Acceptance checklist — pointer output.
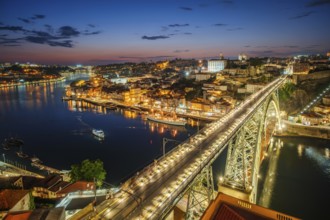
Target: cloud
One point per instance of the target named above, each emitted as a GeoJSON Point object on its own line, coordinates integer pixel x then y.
{"type": "Point", "coordinates": [59, 38]}
{"type": "Point", "coordinates": [186, 8]}
{"type": "Point", "coordinates": [291, 46]}
{"type": "Point", "coordinates": [247, 46]}
{"type": "Point", "coordinates": [24, 20]}
{"type": "Point", "coordinates": [306, 14]}
{"type": "Point", "coordinates": [48, 40]}
{"type": "Point", "coordinates": [312, 46]}
{"type": "Point", "coordinates": [49, 28]}
{"type": "Point", "coordinates": [38, 16]}
{"type": "Point", "coordinates": [181, 51]}
{"type": "Point", "coordinates": [187, 33]}
{"type": "Point", "coordinates": [6, 41]}
{"type": "Point", "coordinates": [66, 43]}
{"type": "Point", "coordinates": [91, 33]}
{"type": "Point", "coordinates": [37, 40]}
{"type": "Point", "coordinates": [316, 3]}
{"type": "Point", "coordinates": [12, 28]}
{"type": "Point", "coordinates": [178, 25]}
{"type": "Point", "coordinates": [68, 31]}
{"type": "Point", "coordinates": [91, 25]}
{"type": "Point", "coordinates": [235, 29]}
{"type": "Point", "coordinates": [220, 24]}
{"type": "Point", "coordinates": [12, 45]}
{"type": "Point", "coordinates": [154, 37]}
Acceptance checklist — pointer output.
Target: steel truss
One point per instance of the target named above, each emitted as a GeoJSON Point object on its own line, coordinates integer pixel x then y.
{"type": "Point", "coordinates": [200, 194]}
{"type": "Point", "coordinates": [243, 158]}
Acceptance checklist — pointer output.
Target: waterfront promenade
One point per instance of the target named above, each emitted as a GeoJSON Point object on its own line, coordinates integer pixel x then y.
{"type": "Point", "coordinates": [141, 108]}
{"type": "Point", "coordinates": [60, 79]}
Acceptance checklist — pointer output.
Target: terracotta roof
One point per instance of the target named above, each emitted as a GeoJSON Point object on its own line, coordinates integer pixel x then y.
{"type": "Point", "coordinates": [226, 207]}
{"type": "Point", "coordinates": [9, 198]}
{"type": "Point", "coordinates": [78, 186]}
{"type": "Point", "coordinates": [226, 213]}
{"type": "Point", "coordinates": [18, 216]}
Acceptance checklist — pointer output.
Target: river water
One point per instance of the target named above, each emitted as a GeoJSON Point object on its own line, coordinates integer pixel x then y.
{"type": "Point", "coordinates": [294, 178]}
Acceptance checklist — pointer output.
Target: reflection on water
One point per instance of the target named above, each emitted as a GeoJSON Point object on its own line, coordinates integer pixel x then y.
{"type": "Point", "coordinates": [82, 106]}
{"type": "Point", "coordinates": [267, 188]}
{"type": "Point", "coordinates": [296, 177]}
{"type": "Point", "coordinates": [160, 128]}
{"type": "Point", "coordinates": [319, 157]}
{"type": "Point", "coordinates": [31, 97]}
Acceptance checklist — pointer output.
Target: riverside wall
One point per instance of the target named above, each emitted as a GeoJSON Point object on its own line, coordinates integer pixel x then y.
{"type": "Point", "coordinates": [315, 77]}
{"type": "Point", "coordinates": [294, 129]}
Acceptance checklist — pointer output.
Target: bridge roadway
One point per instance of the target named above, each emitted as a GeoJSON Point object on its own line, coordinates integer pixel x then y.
{"type": "Point", "coordinates": [153, 191]}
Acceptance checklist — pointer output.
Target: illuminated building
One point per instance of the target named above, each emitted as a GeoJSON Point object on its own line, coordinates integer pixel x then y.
{"type": "Point", "coordinates": [215, 65]}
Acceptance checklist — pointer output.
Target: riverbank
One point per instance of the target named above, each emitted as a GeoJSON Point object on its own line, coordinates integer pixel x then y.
{"type": "Point", "coordinates": [140, 109]}
{"type": "Point", "coordinates": [300, 130]}
{"type": "Point", "coordinates": [44, 81]}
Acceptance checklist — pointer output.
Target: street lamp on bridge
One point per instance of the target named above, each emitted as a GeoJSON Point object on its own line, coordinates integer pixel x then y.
{"type": "Point", "coordinates": [165, 140]}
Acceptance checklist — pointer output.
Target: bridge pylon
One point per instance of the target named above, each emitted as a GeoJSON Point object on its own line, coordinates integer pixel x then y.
{"type": "Point", "coordinates": [244, 153]}
{"type": "Point", "coordinates": [200, 194]}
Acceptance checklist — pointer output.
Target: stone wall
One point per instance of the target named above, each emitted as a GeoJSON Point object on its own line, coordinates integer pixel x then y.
{"type": "Point", "coordinates": [317, 76]}
{"type": "Point", "coordinates": [308, 131]}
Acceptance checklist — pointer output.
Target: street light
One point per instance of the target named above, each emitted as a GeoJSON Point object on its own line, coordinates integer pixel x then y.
{"type": "Point", "coordinates": [165, 140]}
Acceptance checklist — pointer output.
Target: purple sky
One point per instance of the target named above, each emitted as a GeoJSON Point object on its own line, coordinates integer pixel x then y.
{"type": "Point", "coordinates": [108, 31]}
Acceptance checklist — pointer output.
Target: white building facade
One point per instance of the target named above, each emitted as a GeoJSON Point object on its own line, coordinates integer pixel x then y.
{"type": "Point", "coordinates": [215, 65]}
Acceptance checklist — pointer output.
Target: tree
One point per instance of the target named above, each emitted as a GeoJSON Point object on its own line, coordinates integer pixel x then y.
{"type": "Point", "coordinates": [88, 170]}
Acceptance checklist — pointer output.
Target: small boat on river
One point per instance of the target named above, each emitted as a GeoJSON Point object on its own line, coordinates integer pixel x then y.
{"type": "Point", "coordinates": [14, 142]}
{"type": "Point", "coordinates": [98, 132]}
{"type": "Point", "coordinates": [21, 154]}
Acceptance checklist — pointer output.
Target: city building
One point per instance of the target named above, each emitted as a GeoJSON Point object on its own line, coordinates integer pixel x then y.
{"type": "Point", "coordinates": [215, 65]}
{"type": "Point", "coordinates": [242, 57]}
{"type": "Point", "coordinates": [300, 68]}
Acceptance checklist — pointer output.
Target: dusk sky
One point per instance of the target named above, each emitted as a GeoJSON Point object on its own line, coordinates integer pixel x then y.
{"type": "Point", "coordinates": [110, 31]}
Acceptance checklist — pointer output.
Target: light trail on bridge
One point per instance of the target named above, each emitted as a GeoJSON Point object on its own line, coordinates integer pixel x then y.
{"type": "Point", "coordinates": [159, 186]}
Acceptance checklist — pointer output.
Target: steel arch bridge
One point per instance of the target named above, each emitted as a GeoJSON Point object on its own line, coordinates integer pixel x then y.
{"type": "Point", "coordinates": [187, 169]}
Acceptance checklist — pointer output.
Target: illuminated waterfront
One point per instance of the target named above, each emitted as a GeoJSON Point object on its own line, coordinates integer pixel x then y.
{"type": "Point", "coordinates": [59, 133]}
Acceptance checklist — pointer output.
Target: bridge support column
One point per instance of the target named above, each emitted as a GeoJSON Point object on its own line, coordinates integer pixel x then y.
{"type": "Point", "coordinates": [242, 166]}
{"type": "Point", "coordinates": [200, 194]}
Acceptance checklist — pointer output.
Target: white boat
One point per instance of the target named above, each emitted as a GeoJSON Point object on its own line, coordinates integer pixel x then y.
{"type": "Point", "coordinates": [98, 133]}
{"type": "Point", "coordinates": [35, 159]}
{"type": "Point", "coordinates": [167, 120]}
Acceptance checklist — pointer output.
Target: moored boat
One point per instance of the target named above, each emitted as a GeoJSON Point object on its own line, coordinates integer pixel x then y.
{"type": "Point", "coordinates": [14, 142]}
{"type": "Point", "coordinates": [35, 159]}
{"type": "Point", "coordinates": [5, 146]}
{"type": "Point", "coordinates": [167, 120]}
{"type": "Point", "coordinates": [98, 133]}
{"type": "Point", "coordinates": [21, 154]}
